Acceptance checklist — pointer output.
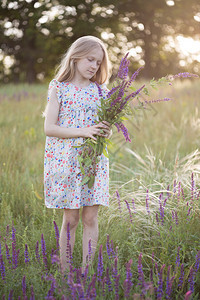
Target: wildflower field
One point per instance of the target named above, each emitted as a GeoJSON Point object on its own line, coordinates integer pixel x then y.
{"type": "Point", "coordinates": [149, 236]}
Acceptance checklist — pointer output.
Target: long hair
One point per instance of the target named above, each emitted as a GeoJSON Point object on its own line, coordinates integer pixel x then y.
{"type": "Point", "coordinates": [79, 49]}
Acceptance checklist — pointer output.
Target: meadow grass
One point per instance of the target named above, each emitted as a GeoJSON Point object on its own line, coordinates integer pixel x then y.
{"type": "Point", "coordinates": [147, 217]}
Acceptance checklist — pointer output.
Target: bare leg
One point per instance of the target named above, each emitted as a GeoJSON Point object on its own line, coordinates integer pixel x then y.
{"type": "Point", "coordinates": [90, 231]}
{"type": "Point", "coordinates": [69, 216]}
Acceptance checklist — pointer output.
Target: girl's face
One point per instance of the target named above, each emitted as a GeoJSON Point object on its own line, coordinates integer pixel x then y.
{"type": "Point", "coordinates": [87, 66]}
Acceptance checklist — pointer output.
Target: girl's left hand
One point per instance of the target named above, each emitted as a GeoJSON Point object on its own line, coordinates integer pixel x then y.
{"type": "Point", "coordinates": [107, 129]}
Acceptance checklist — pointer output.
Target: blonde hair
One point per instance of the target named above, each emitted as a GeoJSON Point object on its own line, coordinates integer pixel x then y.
{"type": "Point", "coordinates": [79, 49]}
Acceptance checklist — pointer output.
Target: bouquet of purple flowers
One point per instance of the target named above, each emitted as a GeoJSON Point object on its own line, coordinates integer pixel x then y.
{"type": "Point", "coordinates": [115, 109]}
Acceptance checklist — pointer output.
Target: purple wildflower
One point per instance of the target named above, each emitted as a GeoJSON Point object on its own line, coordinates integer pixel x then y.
{"type": "Point", "coordinates": [191, 280]}
{"type": "Point", "coordinates": [160, 283]}
{"type": "Point", "coordinates": [115, 269]}
{"type": "Point", "coordinates": [178, 257]}
{"type": "Point", "coordinates": [119, 203]}
{"type": "Point", "coordinates": [10, 296]}
{"type": "Point", "coordinates": [8, 254]}
{"type": "Point", "coordinates": [192, 189]}
{"type": "Point", "coordinates": [183, 75]}
{"type": "Point", "coordinates": [14, 256]}
{"type": "Point", "coordinates": [176, 217]}
{"type": "Point", "coordinates": [26, 254]}
{"type": "Point", "coordinates": [196, 267]}
{"type": "Point", "coordinates": [108, 246]}
{"type": "Point", "coordinates": [179, 192]}
{"type": "Point", "coordinates": [147, 201]}
{"type": "Point", "coordinates": [108, 281]}
{"type": "Point", "coordinates": [140, 272]}
{"type": "Point", "coordinates": [124, 130]}
{"type": "Point", "coordinates": [157, 219]}
{"type": "Point", "coordinates": [129, 210]}
{"type": "Point", "coordinates": [52, 288]}
{"type": "Point", "coordinates": [112, 91]}
{"type": "Point", "coordinates": [68, 249]}
{"type": "Point", "coordinates": [157, 100]}
{"type": "Point", "coordinates": [32, 297]}
{"type": "Point", "coordinates": [180, 282]}
{"type": "Point", "coordinates": [91, 288]}
{"type": "Point", "coordinates": [2, 268]}
{"type": "Point", "coordinates": [128, 283]}
{"type": "Point", "coordinates": [99, 90]}
{"type": "Point", "coordinates": [100, 264]}
{"type": "Point", "coordinates": [90, 250]}
{"type": "Point", "coordinates": [37, 255]}
{"type": "Point", "coordinates": [123, 68]}
{"type": "Point", "coordinates": [117, 287]}
{"type": "Point", "coordinates": [182, 192]}
{"type": "Point", "coordinates": [43, 246]}
{"type": "Point", "coordinates": [24, 286]}
{"type": "Point", "coordinates": [133, 77]}
{"type": "Point", "coordinates": [133, 203]}
{"type": "Point", "coordinates": [7, 230]}
{"type": "Point", "coordinates": [56, 236]}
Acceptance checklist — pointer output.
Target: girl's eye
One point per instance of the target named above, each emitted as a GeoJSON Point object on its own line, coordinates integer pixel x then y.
{"type": "Point", "coordinates": [90, 59]}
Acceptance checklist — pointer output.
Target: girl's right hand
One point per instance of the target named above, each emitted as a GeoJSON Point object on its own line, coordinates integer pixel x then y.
{"type": "Point", "coordinates": [89, 132]}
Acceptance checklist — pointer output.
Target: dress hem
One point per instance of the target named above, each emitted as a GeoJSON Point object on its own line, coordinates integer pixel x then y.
{"type": "Point", "coordinates": [75, 207]}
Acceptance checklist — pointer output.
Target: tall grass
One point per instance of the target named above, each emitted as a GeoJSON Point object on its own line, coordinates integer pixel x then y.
{"type": "Point", "coordinates": [164, 151]}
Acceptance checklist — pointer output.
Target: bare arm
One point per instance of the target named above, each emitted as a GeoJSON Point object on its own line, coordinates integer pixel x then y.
{"type": "Point", "coordinates": [53, 130]}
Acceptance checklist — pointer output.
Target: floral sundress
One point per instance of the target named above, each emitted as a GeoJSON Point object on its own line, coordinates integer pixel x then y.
{"type": "Point", "coordinates": [78, 108]}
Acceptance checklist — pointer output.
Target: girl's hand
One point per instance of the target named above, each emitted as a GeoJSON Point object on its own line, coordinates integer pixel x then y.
{"type": "Point", "coordinates": [96, 130]}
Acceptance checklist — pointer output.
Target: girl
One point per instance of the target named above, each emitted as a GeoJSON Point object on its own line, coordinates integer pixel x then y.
{"type": "Point", "coordinates": [70, 114]}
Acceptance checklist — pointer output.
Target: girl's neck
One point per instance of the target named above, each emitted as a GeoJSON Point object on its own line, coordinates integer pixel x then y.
{"type": "Point", "coordinates": [80, 82]}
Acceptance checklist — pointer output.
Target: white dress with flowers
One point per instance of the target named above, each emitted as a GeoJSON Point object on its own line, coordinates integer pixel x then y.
{"type": "Point", "coordinates": [78, 108]}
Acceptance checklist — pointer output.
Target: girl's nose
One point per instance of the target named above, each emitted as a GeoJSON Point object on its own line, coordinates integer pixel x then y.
{"type": "Point", "coordinates": [94, 65]}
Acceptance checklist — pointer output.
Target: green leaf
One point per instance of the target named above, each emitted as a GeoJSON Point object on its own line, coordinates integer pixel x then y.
{"type": "Point", "coordinates": [87, 162]}
{"type": "Point", "coordinates": [91, 182]}
{"type": "Point", "coordinates": [105, 153]}
{"type": "Point", "coordinates": [85, 180]}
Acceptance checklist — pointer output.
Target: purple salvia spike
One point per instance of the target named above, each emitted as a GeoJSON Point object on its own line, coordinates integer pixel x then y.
{"type": "Point", "coordinates": [10, 296]}
{"type": "Point", "coordinates": [187, 295]}
{"type": "Point", "coordinates": [122, 73]}
{"type": "Point", "coordinates": [196, 267]}
{"type": "Point", "coordinates": [182, 193]}
{"type": "Point", "coordinates": [2, 268]}
{"type": "Point", "coordinates": [26, 254]}
{"type": "Point", "coordinates": [176, 217]}
{"type": "Point", "coordinates": [180, 282]}
{"type": "Point", "coordinates": [85, 274]}
{"type": "Point", "coordinates": [100, 264]}
{"type": "Point", "coordinates": [128, 281]}
{"type": "Point", "coordinates": [90, 286]}
{"type": "Point", "coordinates": [115, 269]}
{"type": "Point", "coordinates": [117, 287]}
{"type": "Point", "coordinates": [125, 132]}
{"type": "Point", "coordinates": [178, 257]}
{"type": "Point", "coordinates": [117, 125]}
{"type": "Point", "coordinates": [24, 286]}
{"type": "Point", "coordinates": [90, 250]}
{"type": "Point", "coordinates": [174, 190]}
{"type": "Point", "coordinates": [52, 288]}
{"type": "Point", "coordinates": [37, 255]}
{"type": "Point", "coordinates": [57, 236]}
{"type": "Point", "coordinates": [183, 75]}
{"type": "Point", "coordinates": [7, 230]}
{"type": "Point", "coordinates": [191, 280]}
{"type": "Point", "coordinates": [192, 190]}
{"type": "Point", "coordinates": [112, 91]}
{"type": "Point", "coordinates": [14, 256]}
{"type": "Point", "coordinates": [129, 210]}
{"type": "Point", "coordinates": [32, 297]}
{"type": "Point", "coordinates": [179, 192]}
{"type": "Point", "coordinates": [99, 90]}
{"type": "Point", "coordinates": [104, 286]}
{"type": "Point", "coordinates": [157, 219]}
{"type": "Point", "coordinates": [108, 282]}
{"type": "Point", "coordinates": [68, 249]}
{"type": "Point", "coordinates": [112, 249]}
{"type": "Point", "coordinates": [133, 204]}
{"type": "Point", "coordinates": [168, 194]}
{"type": "Point", "coordinates": [160, 284]}
{"type": "Point", "coordinates": [147, 201]}
{"type": "Point", "coordinates": [80, 290]}
{"type": "Point", "coordinates": [43, 248]}
{"type": "Point", "coordinates": [161, 208]}
{"type": "Point", "coordinates": [8, 254]}
{"type": "Point", "coordinates": [119, 202]}
{"type": "Point", "coordinates": [140, 271]}
{"type": "Point", "coordinates": [133, 77]}
{"type": "Point", "coordinates": [108, 246]}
